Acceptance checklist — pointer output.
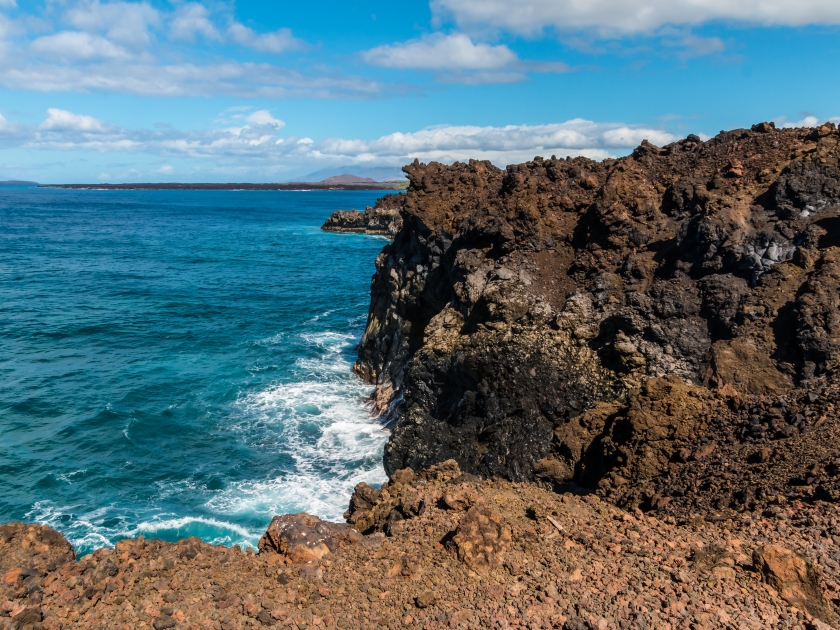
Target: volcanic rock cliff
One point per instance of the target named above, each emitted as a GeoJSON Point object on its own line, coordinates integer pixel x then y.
{"type": "Point", "coordinates": [586, 322]}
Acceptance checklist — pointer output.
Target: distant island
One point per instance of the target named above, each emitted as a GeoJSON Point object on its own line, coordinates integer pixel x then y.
{"type": "Point", "coordinates": [333, 183]}
{"type": "Point", "coordinates": [14, 183]}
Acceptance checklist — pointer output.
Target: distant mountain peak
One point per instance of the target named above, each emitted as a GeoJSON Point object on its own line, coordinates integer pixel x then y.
{"type": "Point", "coordinates": [376, 173]}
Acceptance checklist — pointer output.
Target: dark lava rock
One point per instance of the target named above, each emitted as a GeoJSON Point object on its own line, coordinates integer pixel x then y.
{"type": "Point", "coordinates": [512, 302]}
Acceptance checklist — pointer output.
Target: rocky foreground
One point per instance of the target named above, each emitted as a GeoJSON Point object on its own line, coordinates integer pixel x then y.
{"type": "Point", "coordinates": [464, 553]}
{"type": "Point", "coordinates": [613, 389]}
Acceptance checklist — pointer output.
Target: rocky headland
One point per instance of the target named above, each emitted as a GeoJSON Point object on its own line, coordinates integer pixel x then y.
{"type": "Point", "coordinates": [381, 219]}
{"type": "Point", "coordinates": [613, 392]}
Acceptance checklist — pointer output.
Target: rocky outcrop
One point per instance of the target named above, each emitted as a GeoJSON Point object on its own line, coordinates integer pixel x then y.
{"type": "Point", "coordinates": [382, 219]}
{"type": "Point", "coordinates": [519, 316]}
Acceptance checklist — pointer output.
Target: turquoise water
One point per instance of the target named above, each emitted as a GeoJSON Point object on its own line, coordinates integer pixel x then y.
{"type": "Point", "coordinates": [177, 363]}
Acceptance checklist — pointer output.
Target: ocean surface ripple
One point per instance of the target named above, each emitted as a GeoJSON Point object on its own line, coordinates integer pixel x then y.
{"type": "Point", "coordinates": [177, 363]}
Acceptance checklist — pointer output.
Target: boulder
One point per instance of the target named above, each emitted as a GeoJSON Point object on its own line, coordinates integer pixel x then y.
{"type": "Point", "coordinates": [304, 538]}
{"type": "Point", "coordinates": [796, 580]}
{"type": "Point", "coordinates": [482, 539]}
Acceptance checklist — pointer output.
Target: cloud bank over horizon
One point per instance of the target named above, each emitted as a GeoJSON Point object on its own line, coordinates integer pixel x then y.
{"type": "Point", "coordinates": [256, 143]}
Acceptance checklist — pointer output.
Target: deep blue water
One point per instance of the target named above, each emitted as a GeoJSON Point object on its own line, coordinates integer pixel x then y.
{"type": "Point", "coordinates": [177, 363]}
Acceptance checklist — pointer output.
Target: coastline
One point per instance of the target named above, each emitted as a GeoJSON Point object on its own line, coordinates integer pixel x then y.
{"type": "Point", "coordinates": [601, 418]}
{"type": "Point", "coordinates": [290, 186]}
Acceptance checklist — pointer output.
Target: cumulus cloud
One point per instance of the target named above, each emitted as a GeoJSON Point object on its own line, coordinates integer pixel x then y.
{"type": "Point", "coordinates": [277, 42]}
{"type": "Point", "coordinates": [502, 145]}
{"type": "Point", "coordinates": [611, 17]}
{"type": "Point", "coordinates": [5, 125]}
{"type": "Point", "coordinates": [808, 121]}
{"type": "Point", "coordinates": [60, 119]}
{"type": "Point", "coordinates": [122, 47]}
{"type": "Point", "coordinates": [192, 19]}
{"type": "Point", "coordinates": [128, 23]}
{"type": "Point", "coordinates": [264, 117]}
{"type": "Point", "coordinates": [689, 45]}
{"type": "Point", "coordinates": [458, 59]}
{"type": "Point", "coordinates": [76, 45]}
{"type": "Point", "coordinates": [442, 52]}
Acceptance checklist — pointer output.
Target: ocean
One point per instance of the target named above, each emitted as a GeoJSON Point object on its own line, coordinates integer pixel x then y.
{"type": "Point", "coordinates": [178, 363]}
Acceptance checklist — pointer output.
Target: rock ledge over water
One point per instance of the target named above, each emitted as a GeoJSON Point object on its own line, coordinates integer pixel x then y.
{"type": "Point", "coordinates": [382, 219]}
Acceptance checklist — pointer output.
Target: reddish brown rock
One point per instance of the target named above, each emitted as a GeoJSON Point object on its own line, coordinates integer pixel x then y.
{"type": "Point", "coordinates": [304, 538]}
{"type": "Point", "coordinates": [482, 538]}
{"type": "Point", "coordinates": [796, 580]}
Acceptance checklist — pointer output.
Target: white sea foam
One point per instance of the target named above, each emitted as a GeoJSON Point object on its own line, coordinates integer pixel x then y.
{"type": "Point", "coordinates": [87, 531]}
{"type": "Point", "coordinates": [320, 419]}
{"type": "Point", "coordinates": [323, 422]}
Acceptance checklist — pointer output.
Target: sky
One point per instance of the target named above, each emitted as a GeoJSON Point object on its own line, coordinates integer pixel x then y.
{"type": "Point", "coordinates": [246, 91]}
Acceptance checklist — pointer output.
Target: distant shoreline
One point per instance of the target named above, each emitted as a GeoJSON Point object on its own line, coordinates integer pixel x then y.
{"type": "Point", "coordinates": [243, 186]}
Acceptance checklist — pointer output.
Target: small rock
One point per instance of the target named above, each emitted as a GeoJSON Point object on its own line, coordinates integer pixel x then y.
{"type": "Point", "coordinates": [460, 498]}
{"type": "Point", "coordinates": [425, 599]}
{"type": "Point", "coordinates": [705, 450]}
{"type": "Point", "coordinates": [311, 572]}
{"type": "Point", "coordinates": [29, 615]}
{"type": "Point", "coordinates": [163, 622]}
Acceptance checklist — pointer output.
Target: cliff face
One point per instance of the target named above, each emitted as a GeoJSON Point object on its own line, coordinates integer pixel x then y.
{"type": "Point", "coordinates": [381, 219]}
{"type": "Point", "coordinates": [519, 316]}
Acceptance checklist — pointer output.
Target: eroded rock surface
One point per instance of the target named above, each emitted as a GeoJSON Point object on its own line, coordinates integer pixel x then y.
{"type": "Point", "coordinates": [515, 306]}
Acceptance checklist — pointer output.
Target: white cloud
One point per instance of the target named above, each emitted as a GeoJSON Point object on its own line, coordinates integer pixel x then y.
{"type": "Point", "coordinates": [611, 17]}
{"type": "Point", "coordinates": [113, 47]}
{"type": "Point", "coordinates": [8, 4]}
{"type": "Point", "coordinates": [502, 145]}
{"type": "Point", "coordinates": [808, 121]}
{"type": "Point", "coordinates": [76, 45]}
{"type": "Point", "coordinates": [264, 117]}
{"type": "Point", "coordinates": [62, 120]}
{"type": "Point", "coordinates": [147, 78]}
{"type": "Point", "coordinates": [192, 19]}
{"type": "Point", "coordinates": [277, 42]}
{"type": "Point", "coordinates": [124, 22]}
{"type": "Point", "coordinates": [442, 52]}
{"type": "Point", "coordinates": [166, 169]}
{"type": "Point", "coordinates": [630, 16]}
{"type": "Point", "coordinates": [688, 45]}
{"type": "Point", "coordinates": [257, 145]}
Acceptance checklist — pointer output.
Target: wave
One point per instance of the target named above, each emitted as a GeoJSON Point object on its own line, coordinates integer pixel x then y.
{"type": "Point", "coordinates": [87, 532]}
{"type": "Point", "coordinates": [323, 423]}
{"type": "Point", "coordinates": [318, 422]}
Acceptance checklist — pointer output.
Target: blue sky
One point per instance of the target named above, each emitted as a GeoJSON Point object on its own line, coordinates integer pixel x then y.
{"type": "Point", "coordinates": [257, 91]}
